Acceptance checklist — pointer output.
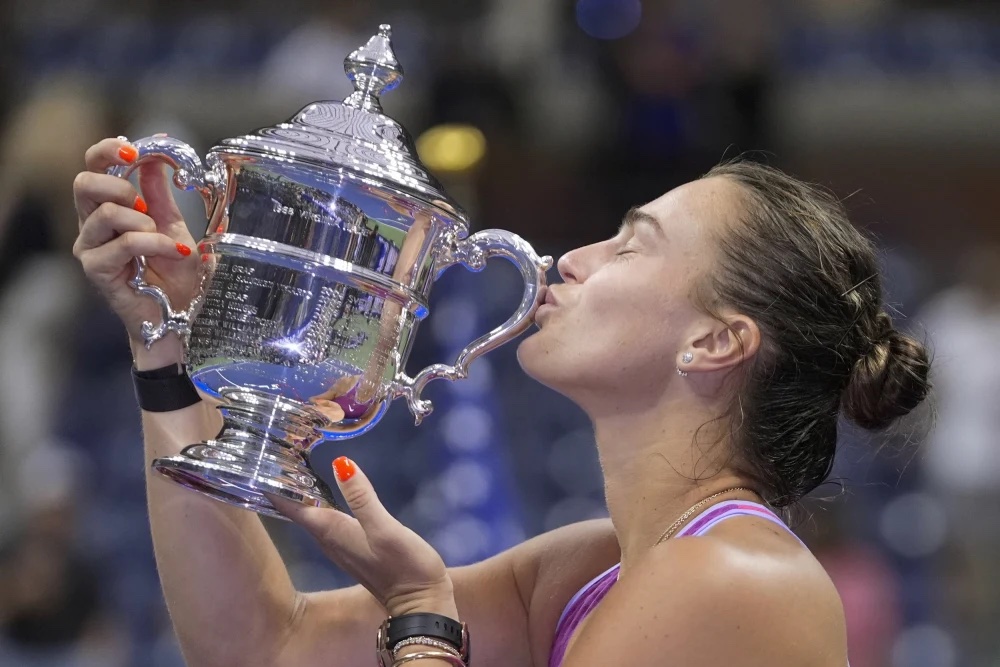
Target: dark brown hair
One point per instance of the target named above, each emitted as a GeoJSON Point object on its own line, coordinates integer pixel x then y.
{"type": "Point", "coordinates": [810, 280]}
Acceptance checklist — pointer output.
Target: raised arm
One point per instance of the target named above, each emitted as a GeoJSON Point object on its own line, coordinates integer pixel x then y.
{"type": "Point", "coordinates": [227, 589]}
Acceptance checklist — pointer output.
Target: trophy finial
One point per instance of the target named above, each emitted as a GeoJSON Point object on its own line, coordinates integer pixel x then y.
{"type": "Point", "coordinates": [373, 69]}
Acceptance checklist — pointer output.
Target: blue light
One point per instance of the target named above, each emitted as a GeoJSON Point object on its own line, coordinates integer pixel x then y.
{"type": "Point", "coordinates": [608, 19]}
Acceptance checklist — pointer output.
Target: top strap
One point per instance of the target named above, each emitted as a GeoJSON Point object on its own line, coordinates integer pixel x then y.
{"type": "Point", "coordinates": [727, 509]}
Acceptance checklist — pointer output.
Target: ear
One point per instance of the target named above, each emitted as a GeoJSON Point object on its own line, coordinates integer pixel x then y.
{"type": "Point", "coordinates": [721, 345]}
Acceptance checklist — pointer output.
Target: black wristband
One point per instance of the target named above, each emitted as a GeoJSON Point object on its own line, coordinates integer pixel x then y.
{"type": "Point", "coordinates": [425, 625]}
{"type": "Point", "coordinates": [164, 389]}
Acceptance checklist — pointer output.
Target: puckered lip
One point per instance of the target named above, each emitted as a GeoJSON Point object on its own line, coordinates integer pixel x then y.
{"type": "Point", "coordinates": [548, 302]}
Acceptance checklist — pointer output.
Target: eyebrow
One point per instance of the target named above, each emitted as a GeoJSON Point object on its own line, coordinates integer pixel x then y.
{"type": "Point", "coordinates": [635, 216]}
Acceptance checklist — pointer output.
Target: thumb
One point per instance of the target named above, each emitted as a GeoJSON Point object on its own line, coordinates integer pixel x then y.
{"type": "Point", "coordinates": [157, 189]}
{"type": "Point", "coordinates": [359, 494]}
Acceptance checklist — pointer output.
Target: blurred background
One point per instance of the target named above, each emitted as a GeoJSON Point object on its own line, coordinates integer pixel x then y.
{"type": "Point", "coordinates": [549, 118]}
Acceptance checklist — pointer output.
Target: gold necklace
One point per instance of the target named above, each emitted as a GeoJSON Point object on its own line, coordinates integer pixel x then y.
{"type": "Point", "coordinates": [683, 517]}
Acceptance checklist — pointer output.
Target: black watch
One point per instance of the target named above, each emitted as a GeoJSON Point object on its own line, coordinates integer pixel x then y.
{"type": "Point", "coordinates": [164, 389]}
{"type": "Point", "coordinates": [395, 629]}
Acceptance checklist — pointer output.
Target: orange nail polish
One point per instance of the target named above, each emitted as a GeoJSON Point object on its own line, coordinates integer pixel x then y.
{"type": "Point", "coordinates": [128, 153]}
{"type": "Point", "coordinates": [204, 258]}
{"type": "Point", "coordinates": [140, 205]}
{"type": "Point", "coordinates": [201, 247]}
{"type": "Point", "coordinates": [219, 229]}
{"type": "Point", "coordinates": [183, 249]}
{"type": "Point", "coordinates": [344, 468]}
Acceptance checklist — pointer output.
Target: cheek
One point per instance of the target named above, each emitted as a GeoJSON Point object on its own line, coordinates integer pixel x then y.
{"type": "Point", "coordinates": [625, 314]}
{"type": "Point", "coordinates": [607, 338]}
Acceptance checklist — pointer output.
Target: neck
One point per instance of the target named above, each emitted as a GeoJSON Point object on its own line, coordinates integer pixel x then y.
{"type": "Point", "coordinates": [654, 471]}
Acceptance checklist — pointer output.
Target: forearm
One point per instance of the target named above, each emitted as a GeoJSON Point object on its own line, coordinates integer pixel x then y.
{"type": "Point", "coordinates": [228, 591]}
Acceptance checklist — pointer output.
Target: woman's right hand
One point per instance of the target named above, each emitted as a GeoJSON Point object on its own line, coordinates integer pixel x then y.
{"type": "Point", "coordinates": [117, 224]}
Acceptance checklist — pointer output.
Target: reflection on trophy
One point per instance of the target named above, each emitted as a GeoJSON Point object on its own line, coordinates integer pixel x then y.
{"type": "Point", "coordinates": [325, 237]}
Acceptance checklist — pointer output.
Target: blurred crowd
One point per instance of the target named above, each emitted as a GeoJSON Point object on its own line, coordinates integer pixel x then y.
{"type": "Point", "coordinates": [587, 107]}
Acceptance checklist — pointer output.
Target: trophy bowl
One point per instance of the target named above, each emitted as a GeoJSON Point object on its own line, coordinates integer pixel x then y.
{"type": "Point", "coordinates": [325, 236]}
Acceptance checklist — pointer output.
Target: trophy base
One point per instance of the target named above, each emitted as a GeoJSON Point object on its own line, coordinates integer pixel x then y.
{"type": "Point", "coordinates": [234, 485]}
{"type": "Point", "coordinates": [260, 452]}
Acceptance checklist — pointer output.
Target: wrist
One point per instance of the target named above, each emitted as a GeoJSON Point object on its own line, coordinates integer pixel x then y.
{"type": "Point", "coordinates": [439, 602]}
{"type": "Point", "coordinates": [420, 635]}
{"type": "Point", "coordinates": [420, 647]}
{"type": "Point", "coordinates": [166, 351]}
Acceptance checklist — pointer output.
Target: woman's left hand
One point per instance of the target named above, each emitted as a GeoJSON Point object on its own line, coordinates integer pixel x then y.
{"type": "Point", "coordinates": [396, 565]}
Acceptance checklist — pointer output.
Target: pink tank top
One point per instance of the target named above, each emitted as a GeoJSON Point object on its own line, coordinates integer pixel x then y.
{"type": "Point", "coordinates": [590, 595]}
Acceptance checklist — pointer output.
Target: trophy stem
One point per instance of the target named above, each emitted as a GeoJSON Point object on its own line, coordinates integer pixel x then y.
{"type": "Point", "coordinates": [261, 450]}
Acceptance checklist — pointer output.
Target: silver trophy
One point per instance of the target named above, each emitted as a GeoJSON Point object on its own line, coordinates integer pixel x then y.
{"type": "Point", "coordinates": [325, 237]}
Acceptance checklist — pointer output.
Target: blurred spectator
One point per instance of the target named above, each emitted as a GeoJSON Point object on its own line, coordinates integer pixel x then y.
{"type": "Point", "coordinates": [868, 587]}
{"type": "Point", "coordinates": [40, 282]}
{"type": "Point", "coordinates": [52, 609]}
{"type": "Point", "coordinates": [963, 456]}
{"type": "Point", "coordinates": [307, 65]}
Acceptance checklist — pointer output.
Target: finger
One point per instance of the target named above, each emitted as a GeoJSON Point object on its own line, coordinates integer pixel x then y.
{"type": "Point", "coordinates": [109, 221]}
{"type": "Point", "coordinates": [154, 181]}
{"type": "Point", "coordinates": [360, 496]}
{"type": "Point", "coordinates": [108, 153]}
{"type": "Point", "coordinates": [90, 190]}
{"type": "Point", "coordinates": [316, 520]}
{"type": "Point", "coordinates": [341, 535]}
{"type": "Point", "coordinates": [157, 186]}
{"type": "Point", "coordinates": [110, 259]}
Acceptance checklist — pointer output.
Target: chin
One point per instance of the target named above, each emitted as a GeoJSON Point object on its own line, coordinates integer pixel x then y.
{"type": "Point", "coordinates": [527, 351]}
{"type": "Point", "coordinates": [531, 355]}
{"type": "Point", "coordinates": [541, 363]}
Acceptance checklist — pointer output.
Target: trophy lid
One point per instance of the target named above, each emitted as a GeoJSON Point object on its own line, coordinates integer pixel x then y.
{"type": "Point", "coordinates": [354, 137]}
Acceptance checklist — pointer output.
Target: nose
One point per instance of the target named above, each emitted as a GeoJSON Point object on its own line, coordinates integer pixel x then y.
{"type": "Point", "coordinates": [567, 266]}
{"type": "Point", "coordinates": [576, 265]}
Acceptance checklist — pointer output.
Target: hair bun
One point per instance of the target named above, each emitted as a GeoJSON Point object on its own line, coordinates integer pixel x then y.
{"type": "Point", "coordinates": [889, 381]}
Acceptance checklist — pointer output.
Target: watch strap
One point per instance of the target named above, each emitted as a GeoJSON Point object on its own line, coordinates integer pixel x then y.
{"type": "Point", "coordinates": [164, 389]}
{"type": "Point", "coordinates": [452, 632]}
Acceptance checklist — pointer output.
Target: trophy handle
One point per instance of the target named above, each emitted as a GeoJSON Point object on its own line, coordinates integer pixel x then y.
{"type": "Point", "coordinates": [189, 174]}
{"type": "Point", "coordinates": [473, 252]}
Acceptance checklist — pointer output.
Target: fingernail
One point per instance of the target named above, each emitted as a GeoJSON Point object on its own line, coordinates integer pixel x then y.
{"type": "Point", "coordinates": [219, 229]}
{"type": "Point", "coordinates": [140, 205]}
{"type": "Point", "coordinates": [344, 467]}
{"type": "Point", "coordinates": [183, 249]}
{"type": "Point", "coordinates": [128, 153]}
{"type": "Point", "coordinates": [201, 247]}
{"type": "Point", "coordinates": [204, 258]}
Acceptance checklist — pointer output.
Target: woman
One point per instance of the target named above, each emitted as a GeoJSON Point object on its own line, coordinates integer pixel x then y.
{"type": "Point", "coordinates": [714, 342]}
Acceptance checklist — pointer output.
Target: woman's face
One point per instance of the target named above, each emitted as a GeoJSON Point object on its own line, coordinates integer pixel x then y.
{"type": "Point", "coordinates": [615, 328]}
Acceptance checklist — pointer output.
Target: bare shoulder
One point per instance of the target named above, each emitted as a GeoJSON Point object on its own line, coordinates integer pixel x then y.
{"type": "Point", "coordinates": [570, 555]}
{"type": "Point", "coordinates": [516, 598]}
{"type": "Point", "coordinates": [744, 594]}
{"type": "Point", "coordinates": [552, 567]}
